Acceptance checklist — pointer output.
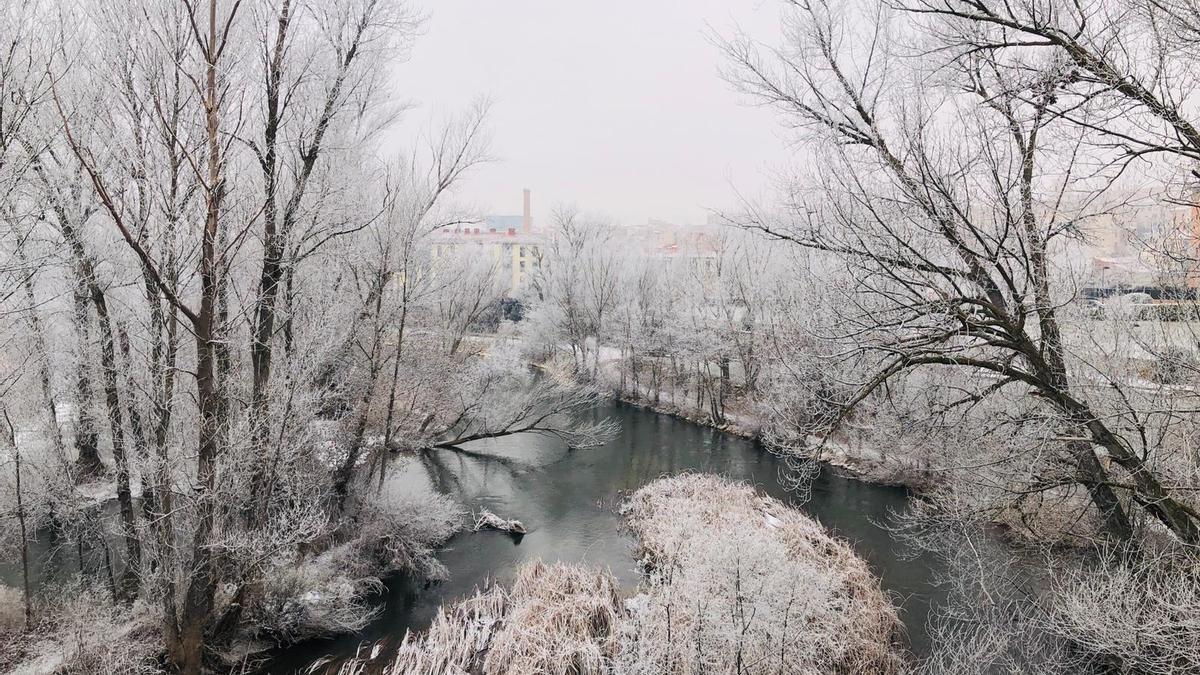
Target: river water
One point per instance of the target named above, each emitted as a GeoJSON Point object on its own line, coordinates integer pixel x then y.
{"type": "Point", "coordinates": [567, 499]}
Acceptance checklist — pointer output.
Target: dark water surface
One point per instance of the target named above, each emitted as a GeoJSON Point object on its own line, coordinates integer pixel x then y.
{"type": "Point", "coordinates": [567, 498]}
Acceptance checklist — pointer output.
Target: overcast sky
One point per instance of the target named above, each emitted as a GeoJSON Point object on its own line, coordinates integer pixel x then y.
{"type": "Point", "coordinates": [614, 106]}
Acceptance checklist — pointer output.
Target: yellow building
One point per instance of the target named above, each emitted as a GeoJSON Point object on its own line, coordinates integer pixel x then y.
{"type": "Point", "coordinates": [510, 242]}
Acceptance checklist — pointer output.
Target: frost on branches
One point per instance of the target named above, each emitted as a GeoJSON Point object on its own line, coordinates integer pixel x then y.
{"type": "Point", "coordinates": [736, 582]}
{"type": "Point", "coordinates": [740, 582]}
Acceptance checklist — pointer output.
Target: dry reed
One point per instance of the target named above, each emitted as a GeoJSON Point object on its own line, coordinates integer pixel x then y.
{"type": "Point", "coordinates": [557, 619]}
{"type": "Point", "coordinates": [740, 582]}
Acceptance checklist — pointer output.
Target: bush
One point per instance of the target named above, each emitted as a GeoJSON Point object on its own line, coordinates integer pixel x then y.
{"type": "Point", "coordinates": [332, 593]}
{"type": "Point", "coordinates": [740, 582]}
{"type": "Point", "coordinates": [1143, 617]}
{"type": "Point", "coordinates": [399, 534]}
{"type": "Point", "coordinates": [12, 624]}
{"type": "Point", "coordinates": [84, 633]}
{"type": "Point", "coordinates": [1097, 613]}
{"type": "Point", "coordinates": [315, 599]}
{"type": "Point", "coordinates": [557, 620]}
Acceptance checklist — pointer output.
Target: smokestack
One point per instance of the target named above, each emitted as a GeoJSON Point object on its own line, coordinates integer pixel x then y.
{"type": "Point", "coordinates": [527, 218]}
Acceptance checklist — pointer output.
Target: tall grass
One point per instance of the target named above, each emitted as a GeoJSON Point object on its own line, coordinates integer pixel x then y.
{"type": "Point", "coordinates": [736, 582]}
{"type": "Point", "coordinates": [556, 620]}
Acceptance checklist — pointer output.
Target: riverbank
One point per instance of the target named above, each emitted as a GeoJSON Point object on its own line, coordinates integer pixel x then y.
{"type": "Point", "coordinates": [854, 457]}
{"type": "Point", "coordinates": [568, 501]}
{"type": "Point", "coordinates": [860, 461]}
{"type": "Point", "coordinates": [781, 595]}
{"type": "Point", "coordinates": [331, 584]}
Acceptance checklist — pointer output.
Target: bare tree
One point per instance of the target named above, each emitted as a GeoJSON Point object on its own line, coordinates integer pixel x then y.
{"type": "Point", "coordinates": [577, 285]}
{"type": "Point", "coordinates": [951, 233]}
{"type": "Point", "coordinates": [254, 306]}
{"type": "Point", "coordinates": [357, 36]}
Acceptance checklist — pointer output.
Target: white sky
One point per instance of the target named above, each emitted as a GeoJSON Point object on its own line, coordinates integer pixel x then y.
{"type": "Point", "coordinates": [613, 105]}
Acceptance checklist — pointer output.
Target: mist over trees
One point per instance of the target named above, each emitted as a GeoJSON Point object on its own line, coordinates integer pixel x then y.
{"type": "Point", "coordinates": [222, 326]}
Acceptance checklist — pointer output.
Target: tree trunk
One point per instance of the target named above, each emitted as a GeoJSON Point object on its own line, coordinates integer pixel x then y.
{"type": "Point", "coordinates": [44, 376]}
{"type": "Point", "coordinates": [345, 473]}
{"type": "Point", "coordinates": [391, 404]}
{"type": "Point", "coordinates": [87, 438]}
{"type": "Point", "coordinates": [197, 609]}
{"type": "Point", "coordinates": [263, 329]}
{"type": "Point", "coordinates": [12, 440]}
{"type": "Point", "coordinates": [108, 358]}
{"type": "Point", "coordinates": [726, 386]}
{"type": "Point", "coordinates": [1050, 350]}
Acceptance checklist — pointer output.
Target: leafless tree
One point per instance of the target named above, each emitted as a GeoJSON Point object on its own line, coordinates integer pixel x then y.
{"type": "Point", "coordinates": [948, 205]}
{"type": "Point", "coordinates": [316, 89]}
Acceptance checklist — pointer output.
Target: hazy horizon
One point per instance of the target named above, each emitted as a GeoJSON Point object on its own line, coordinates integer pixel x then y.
{"type": "Point", "coordinates": [617, 109]}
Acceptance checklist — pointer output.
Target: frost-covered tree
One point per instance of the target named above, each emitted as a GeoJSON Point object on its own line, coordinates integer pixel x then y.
{"type": "Point", "coordinates": [197, 216]}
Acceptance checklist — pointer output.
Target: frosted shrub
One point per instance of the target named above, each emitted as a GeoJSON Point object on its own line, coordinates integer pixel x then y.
{"type": "Point", "coordinates": [84, 633]}
{"type": "Point", "coordinates": [316, 599]}
{"type": "Point", "coordinates": [1094, 613]}
{"type": "Point", "coordinates": [1142, 617]}
{"type": "Point", "coordinates": [399, 533]}
{"type": "Point", "coordinates": [740, 582]}
{"type": "Point", "coordinates": [334, 592]}
{"type": "Point", "coordinates": [1175, 366]}
{"type": "Point", "coordinates": [557, 620]}
{"type": "Point", "coordinates": [12, 621]}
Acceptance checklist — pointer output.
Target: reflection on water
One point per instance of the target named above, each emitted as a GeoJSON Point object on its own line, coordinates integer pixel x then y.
{"type": "Point", "coordinates": [567, 498]}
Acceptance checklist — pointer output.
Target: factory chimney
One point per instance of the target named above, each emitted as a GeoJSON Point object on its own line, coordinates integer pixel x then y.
{"type": "Point", "coordinates": [527, 217]}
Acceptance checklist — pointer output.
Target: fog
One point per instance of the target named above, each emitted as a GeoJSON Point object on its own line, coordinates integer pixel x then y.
{"type": "Point", "coordinates": [268, 405]}
{"type": "Point", "coordinates": [617, 107]}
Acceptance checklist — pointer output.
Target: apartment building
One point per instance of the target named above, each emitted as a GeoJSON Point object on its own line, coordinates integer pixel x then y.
{"type": "Point", "coordinates": [509, 241]}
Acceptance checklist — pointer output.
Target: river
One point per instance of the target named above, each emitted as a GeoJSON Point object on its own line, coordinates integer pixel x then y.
{"type": "Point", "coordinates": [567, 499]}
